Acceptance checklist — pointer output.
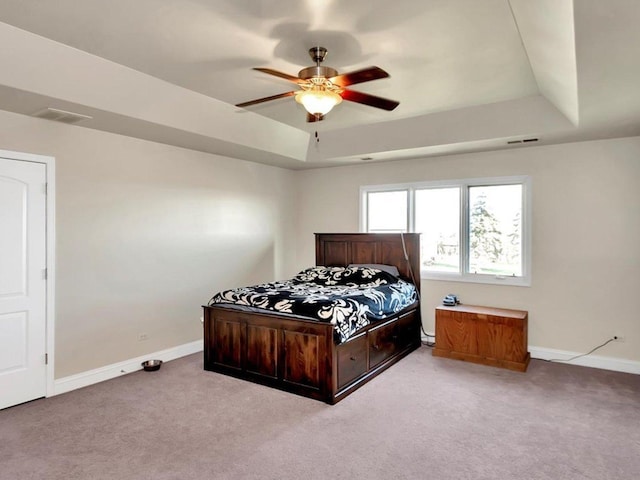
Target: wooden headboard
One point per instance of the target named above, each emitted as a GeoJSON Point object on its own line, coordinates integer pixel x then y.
{"type": "Point", "coordinates": [342, 249]}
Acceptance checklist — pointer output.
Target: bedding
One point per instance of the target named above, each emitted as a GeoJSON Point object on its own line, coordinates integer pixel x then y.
{"type": "Point", "coordinates": [349, 298]}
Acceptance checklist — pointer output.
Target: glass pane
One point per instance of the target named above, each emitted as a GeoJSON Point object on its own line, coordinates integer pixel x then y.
{"type": "Point", "coordinates": [495, 230]}
{"type": "Point", "coordinates": [387, 211]}
{"type": "Point", "coordinates": [438, 219]}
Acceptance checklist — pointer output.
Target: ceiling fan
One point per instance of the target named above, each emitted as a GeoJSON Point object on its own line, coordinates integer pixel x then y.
{"type": "Point", "coordinates": [321, 88]}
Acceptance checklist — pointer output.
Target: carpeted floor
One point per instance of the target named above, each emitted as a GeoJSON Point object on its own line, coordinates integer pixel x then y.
{"type": "Point", "coordinates": [425, 418]}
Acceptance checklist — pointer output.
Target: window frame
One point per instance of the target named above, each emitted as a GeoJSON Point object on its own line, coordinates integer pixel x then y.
{"type": "Point", "coordinates": [464, 218]}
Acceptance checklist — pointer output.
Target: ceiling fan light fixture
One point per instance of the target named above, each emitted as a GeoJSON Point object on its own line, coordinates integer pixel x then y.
{"type": "Point", "coordinates": [318, 101]}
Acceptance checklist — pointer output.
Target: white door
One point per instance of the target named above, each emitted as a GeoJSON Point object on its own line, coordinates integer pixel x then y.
{"type": "Point", "coordinates": [23, 374]}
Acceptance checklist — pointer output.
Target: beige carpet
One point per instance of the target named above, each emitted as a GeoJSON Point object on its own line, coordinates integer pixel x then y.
{"type": "Point", "coordinates": [426, 417]}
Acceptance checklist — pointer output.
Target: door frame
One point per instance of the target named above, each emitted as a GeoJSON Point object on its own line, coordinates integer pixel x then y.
{"type": "Point", "coordinates": [50, 239]}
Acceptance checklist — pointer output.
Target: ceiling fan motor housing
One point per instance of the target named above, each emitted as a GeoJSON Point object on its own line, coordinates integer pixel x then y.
{"type": "Point", "coordinates": [317, 71]}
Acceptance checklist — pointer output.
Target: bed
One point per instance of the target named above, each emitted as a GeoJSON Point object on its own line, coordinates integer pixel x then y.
{"type": "Point", "coordinates": [305, 356]}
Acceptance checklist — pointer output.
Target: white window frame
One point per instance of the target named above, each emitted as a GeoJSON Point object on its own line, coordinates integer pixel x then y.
{"type": "Point", "coordinates": [463, 184]}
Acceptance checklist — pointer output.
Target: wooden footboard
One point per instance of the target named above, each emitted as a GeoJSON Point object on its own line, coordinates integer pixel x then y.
{"type": "Point", "coordinates": [301, 356]}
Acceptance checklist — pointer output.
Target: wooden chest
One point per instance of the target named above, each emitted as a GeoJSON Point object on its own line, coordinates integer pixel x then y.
{"type": "Point", "coordinates": [486, 335]}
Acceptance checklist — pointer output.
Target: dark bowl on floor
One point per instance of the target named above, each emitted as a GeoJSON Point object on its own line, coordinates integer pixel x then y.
{"type": "Point", "coordinates": [151, 365]}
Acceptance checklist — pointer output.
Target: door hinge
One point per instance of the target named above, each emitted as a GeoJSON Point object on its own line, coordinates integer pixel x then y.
{"type": "Point", "coordinates": [44, 273]}
{"type": "Point", "coordinates": [46, 359]}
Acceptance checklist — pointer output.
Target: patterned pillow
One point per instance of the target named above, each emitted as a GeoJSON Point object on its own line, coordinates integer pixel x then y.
{"type": "Point", "coordinates": [392, 269]}
{"type": "Point", "coordinates": [320, 275]}
{"type": "Point", "coordinates": [357, 276]}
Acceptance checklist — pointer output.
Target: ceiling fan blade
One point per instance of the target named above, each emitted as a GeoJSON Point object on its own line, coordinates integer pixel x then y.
{"type": "Point", "coordinates": [371, 100]}
{"type": "Point", "coordinates": [314, 118]}
{"type": "Point", "coordinates": [276, 73]}
{"type": "Point", "coordinates": [359, 76]}
{"type": "Point", "coordinates": [265, 99]}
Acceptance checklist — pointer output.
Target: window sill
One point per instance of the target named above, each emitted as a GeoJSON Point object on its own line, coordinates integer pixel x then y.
{"type": "Point", "coordinates": [477, 278]}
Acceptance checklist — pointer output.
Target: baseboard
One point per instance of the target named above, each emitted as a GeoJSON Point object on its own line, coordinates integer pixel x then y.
{"type": "Point", "coordinates": [84, 379]}
{"type": "Point", "coordinates": [594, 361]}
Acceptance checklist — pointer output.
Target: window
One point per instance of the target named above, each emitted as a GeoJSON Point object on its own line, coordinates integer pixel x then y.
{"type": "Point", "coordinates": [387, 211]}
{"type": "Point", "coordinates": [438, 220]}
{"type": "Point", "coordinates": [472, 230]}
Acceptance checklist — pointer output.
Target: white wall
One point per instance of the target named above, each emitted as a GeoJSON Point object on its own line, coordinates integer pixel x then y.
{"type": "Point", "coordinates": [146, 233]}
{"type": "Point", "coordinates": [586, 235]}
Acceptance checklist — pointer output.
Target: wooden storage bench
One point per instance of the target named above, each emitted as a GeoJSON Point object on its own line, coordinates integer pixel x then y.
{"type": "Point", "coordinates": [486, 335]}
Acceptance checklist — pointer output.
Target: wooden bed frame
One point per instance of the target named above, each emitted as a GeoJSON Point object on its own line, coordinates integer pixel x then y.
{"type": "Point", "coordinates": [301, 356]}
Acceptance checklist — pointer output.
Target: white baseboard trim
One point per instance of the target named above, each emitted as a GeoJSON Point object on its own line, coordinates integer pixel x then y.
{"type": "Point", "coordinates": [594, 361]}
{"type": "Point", "coordinates": [84, 379]}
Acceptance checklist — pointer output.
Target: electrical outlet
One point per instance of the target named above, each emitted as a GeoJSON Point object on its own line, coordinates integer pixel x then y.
{"type": "Point", "coordinates": [142, 337]}
{"type": "Point", "coordinates": [618, 338]}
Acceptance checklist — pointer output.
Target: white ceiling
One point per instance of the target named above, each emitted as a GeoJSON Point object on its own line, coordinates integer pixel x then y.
{"type": "Point", "coordinates": [469, 74]}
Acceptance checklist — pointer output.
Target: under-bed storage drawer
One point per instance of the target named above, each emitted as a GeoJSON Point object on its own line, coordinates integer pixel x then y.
{"type": "Point", "coordinates": [383, 343]}
{"type": "Point", "coordinates": [391, 338]}
{"type": "Point", "coordinates": [352, 360]}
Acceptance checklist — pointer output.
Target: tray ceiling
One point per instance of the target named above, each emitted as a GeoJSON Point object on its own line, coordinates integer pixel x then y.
{"type": "Point", "coordinates": [551, 68]}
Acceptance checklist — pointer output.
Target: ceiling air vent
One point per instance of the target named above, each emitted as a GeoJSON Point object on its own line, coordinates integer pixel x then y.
{"type": "Point", "coordinates": [63, 116]}
{"type": "Point", "coordinates": [524, 140]}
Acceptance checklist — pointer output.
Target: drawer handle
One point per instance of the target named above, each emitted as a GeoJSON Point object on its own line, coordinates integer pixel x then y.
{"type": "Point", "coordinates": [394, 337]}
{"type": "Point", "coordinates": [375, 347]}
{"type": "Point", "coordinates": [352, 358]}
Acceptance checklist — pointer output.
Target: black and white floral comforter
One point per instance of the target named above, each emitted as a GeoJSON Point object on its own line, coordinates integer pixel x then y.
{"type": "Point", "coordinates": [347, 297]}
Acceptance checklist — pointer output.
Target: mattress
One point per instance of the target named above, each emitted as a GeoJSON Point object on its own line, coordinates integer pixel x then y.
{"type": "Point", "coordinates": [349, 298]}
